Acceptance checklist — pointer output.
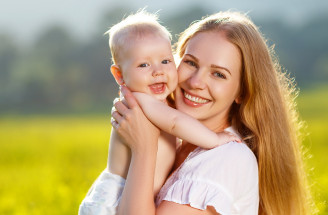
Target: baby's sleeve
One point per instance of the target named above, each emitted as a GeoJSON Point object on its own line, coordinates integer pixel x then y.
{"type": "Point", "coordinates": [225, 178]}
{"type": "Point", "coordinates": [104, 195]}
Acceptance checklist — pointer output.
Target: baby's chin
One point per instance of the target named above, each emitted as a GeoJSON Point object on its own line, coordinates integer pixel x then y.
{"type": "Point", "coordinates": [160, 97]}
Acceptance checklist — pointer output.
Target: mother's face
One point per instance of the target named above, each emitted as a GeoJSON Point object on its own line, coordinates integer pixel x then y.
{"type": "Point", "coordinates": [209, 77]}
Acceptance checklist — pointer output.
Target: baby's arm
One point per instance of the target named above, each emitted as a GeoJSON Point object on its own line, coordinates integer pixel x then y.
{"type": "Point", "coordinates": [180, 124]}
{"type": "Point", "coordinates": [119, 156]}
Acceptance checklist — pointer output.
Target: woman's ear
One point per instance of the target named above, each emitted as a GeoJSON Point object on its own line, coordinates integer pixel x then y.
{"type": "Point", "coordinates": [238, 100]}
{"type": "Point", "coordinates": [117, 73]}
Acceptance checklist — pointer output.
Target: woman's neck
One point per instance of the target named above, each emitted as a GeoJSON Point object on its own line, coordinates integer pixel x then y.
{"type": "Point", "coordinates": [182, 153]}
{"type": "Point", "coordinates": [216, 127]}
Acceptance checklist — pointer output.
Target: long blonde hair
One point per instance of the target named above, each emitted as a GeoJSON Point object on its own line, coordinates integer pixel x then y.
{"type": "Point", "coordinates": [266, 117]}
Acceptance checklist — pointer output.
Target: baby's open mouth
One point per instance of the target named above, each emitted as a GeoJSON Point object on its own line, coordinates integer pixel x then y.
{"type": "Point", "coordinates": [157, 88]}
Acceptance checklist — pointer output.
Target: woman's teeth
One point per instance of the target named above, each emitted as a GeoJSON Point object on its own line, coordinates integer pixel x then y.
{"type": "Point", "coordinates": [195, 99]}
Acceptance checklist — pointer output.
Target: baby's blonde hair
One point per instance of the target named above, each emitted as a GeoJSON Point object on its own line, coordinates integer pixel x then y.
{"type": "Point", "coordinates": [135, 25]}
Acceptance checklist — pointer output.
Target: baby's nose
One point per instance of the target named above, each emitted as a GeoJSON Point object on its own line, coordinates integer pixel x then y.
{"type": "Point", "coordinates": [157, 71]}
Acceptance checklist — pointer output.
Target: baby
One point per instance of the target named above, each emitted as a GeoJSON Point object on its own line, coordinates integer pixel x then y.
{"type": "Point", "coordinates": [143, 61]}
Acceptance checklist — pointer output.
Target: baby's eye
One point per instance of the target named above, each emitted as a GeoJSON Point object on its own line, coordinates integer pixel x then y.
{"type": "Point", "coordinates": [219, 75]}
{"type": "Point", "coordinates": [143, 65]}
{"type": "Point", "coordinates": [166, 61]}
{"type": "Point", "coordinates": [191, 63]}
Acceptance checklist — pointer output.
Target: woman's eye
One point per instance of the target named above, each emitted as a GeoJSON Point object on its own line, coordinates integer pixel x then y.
{"type": "Point", "coordinates": [191, 63]}
{"type": "Point", "coordinates": [143, 65]}
{"type": "Point", "coordinates": [166, 61]}
{"type": "Point", "coordinates": [219, 75]}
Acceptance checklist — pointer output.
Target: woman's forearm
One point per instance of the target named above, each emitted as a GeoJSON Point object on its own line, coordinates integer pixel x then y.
{"type": "Point", "coordinates": [138, 197]}
{"type": "Point", "coordinates": [142, 138]}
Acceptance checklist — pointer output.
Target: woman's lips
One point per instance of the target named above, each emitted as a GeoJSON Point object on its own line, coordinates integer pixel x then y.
{"type": "Point", "coordinates": [193, 100]}
{"type": "Point", "coordinates": [158, 88]}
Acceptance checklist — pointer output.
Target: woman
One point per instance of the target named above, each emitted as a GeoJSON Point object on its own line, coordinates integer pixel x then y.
{"type": "Point", "coordinates": [225, 61]}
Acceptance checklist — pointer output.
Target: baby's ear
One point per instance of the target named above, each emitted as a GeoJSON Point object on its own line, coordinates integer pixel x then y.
{"type": "Point", "coordinates": [117, 73]}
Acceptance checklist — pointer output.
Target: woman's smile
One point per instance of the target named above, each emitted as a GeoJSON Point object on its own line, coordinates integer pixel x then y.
{"type": "Point", "coordinates": [193, 100]}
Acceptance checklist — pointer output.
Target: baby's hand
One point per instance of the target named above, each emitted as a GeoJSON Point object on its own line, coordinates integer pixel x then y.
{"type": "Point", "coordinates": [226, 137]}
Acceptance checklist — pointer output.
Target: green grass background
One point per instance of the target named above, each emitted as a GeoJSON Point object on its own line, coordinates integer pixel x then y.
{"type": "Point", "coordinates": [47, 163]}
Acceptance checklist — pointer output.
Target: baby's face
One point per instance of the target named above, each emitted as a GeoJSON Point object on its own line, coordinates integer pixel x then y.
{"type": "Point", "coordinates": [148, 66]}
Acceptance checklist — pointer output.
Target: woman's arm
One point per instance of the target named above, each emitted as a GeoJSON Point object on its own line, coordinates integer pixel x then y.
{"type": "Point", "coordinates": [180, 124]}
{"type": "Point", "coordinates": [142, 137]}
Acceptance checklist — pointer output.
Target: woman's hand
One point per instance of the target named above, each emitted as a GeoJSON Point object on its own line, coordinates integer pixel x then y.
{"type": "Point", "coordinates": [132, 125]}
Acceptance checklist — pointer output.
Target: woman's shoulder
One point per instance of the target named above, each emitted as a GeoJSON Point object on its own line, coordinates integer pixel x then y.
{"type": "Point", "coordinates": [228, 155]}
{"type": "Point", "coordinates": [230, 158]}
{"type": "Point", "coordinates": [233, 152]}
{"type": "Point", "coordinates": [225, 165]}
{"type": "Point", "coordinates": [231, 168]}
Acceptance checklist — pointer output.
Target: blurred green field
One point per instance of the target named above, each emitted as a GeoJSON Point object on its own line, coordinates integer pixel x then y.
{"type": "Point", "coordinates": [47, 163]}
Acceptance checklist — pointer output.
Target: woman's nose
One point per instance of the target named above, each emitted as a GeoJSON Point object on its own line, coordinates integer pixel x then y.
{"type": "Point", "coordinates": [197, 80]}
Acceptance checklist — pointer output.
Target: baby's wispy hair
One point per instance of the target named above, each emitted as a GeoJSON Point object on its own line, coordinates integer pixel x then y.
{"type": "Point", "coordinates": [134, 26]}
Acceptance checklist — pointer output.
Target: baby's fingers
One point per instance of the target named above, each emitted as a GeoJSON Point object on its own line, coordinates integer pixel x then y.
{"type": "Point", "coordinates": [233, 137]}
{"type": "Point", "coordinates": [226, 137]}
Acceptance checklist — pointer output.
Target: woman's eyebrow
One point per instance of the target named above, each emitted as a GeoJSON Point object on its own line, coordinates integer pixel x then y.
{"type": "Point", "coordinates": [212, 65]}
{"type": "Point", "coordinates": [220, 67]}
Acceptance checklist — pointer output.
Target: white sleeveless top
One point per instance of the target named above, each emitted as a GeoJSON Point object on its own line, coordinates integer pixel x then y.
{"type": "Point", "coordinates": [225, 177]}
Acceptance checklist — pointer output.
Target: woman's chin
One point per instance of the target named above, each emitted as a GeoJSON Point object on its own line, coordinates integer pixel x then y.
{"type": "Point", "coordinates": [187, 109]}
